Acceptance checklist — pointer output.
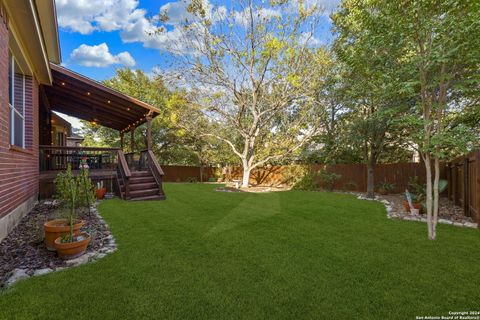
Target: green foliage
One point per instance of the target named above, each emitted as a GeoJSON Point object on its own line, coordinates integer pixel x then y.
{"type": "Point", "coordinates": [387, 186]}
{"type": "Point", "coordinates": [350, 186]}
{"type": "Point", "coordinates": [86, 192]}
{"type": "Point", "coordinates": [307, 182]}
{"type": "Point", "coordinates": [417, 189]}
{"type": "Point", "coordinates": [67, 192]}
{"type": "Point", "coordinates": [328, 179]}
{"type": "Point", "coordinates": [311, 181]}
{"type": "Point", "coordinates": [73, 193]}
{"type": "Point", "coordinates": [293, 174]}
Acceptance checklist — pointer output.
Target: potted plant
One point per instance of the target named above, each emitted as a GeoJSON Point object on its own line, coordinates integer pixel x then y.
{"type": "Point", "coordinates": [417, 192]}
{"type": "Point", "coordinates": [100, 191]}
{"type": "Point", "coordinates": [71, 244]}
{"type": "Point", "coordinates": [385, 188]}
{"type": "Point", "coordinates": [55, 228]}
{"type": "Point", "coordinates": [412, 203]}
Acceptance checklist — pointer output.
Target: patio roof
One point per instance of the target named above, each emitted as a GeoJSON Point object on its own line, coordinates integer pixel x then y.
{"type": "Point", "coordinates": [78, 96]}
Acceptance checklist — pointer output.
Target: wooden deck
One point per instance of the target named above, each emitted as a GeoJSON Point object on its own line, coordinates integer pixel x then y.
{"type": "Point", "coordinates": [130, 177]}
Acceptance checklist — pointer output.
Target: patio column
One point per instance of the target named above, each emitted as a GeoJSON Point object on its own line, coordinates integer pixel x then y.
{"type": "Point", "coordinates": [132, 140]}
{"type": "Point", "coordinates": [121, 140]}
{"type": "Point", "coordinates": [149, 132]}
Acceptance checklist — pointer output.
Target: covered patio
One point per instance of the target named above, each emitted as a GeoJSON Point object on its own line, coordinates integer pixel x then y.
{"type": "Point", "coordinates": [134, 175]}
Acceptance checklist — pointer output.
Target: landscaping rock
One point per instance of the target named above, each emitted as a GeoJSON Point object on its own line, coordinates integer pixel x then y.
{"type": "Point", "coordinates": [17, 274]}
{"type": "Point", "coordinates": [449, 213]}
{"type": "Point", "coordinates": [78, 261]}
{"type": "Point", "coordinates": [445, 221]}
{"type": "Point", "coordinates": [41, 272]}
{"type": "Point", "coordinates": [23, 248]}
{"type": "Point", "coordinates": [470, 225]}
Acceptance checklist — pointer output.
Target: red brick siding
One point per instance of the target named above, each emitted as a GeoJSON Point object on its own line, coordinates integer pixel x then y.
{"type": "Point", "coordinates": [18, 170]}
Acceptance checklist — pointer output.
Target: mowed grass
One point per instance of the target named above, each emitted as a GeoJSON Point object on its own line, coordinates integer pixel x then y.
{"type": "Point", "coordinates": [288, 255]}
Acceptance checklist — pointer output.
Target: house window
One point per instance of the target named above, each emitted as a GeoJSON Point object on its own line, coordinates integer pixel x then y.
{"type": "Point", "coordinates": [16, 103]}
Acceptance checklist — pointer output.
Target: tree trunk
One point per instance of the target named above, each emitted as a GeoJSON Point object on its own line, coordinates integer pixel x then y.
{"type": "Point", "coordinates": [246, 175]}
{"type": "Point", "coordinates": [436, 197]}
{"type": "Point", "coordinates": [371, 178]}
{"type": "Point", "coordinates": [201, 171]}
{"type": "Point", "coordinates": [428, 169]}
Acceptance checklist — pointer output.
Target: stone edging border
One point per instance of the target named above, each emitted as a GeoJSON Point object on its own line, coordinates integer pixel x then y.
{"type": "Point", "coordinates": [392, 215]}
{"type": "Point", "coordinates": [89, 257]}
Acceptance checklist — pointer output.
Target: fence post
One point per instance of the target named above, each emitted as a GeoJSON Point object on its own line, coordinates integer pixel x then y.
{"type": "Point", "coordinates": [477, 187]}
{"type": "Point", "coordinates": [466, 191]}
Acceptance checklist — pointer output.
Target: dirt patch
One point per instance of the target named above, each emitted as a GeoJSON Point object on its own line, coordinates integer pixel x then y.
{"type": "Point", "coordinates": [254, 189]}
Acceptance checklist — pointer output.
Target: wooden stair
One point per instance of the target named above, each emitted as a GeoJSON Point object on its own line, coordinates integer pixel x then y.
{"type": "Point", "coordinates": [142, 183]}
{"type": "Point", "coordinates": [142, 186]}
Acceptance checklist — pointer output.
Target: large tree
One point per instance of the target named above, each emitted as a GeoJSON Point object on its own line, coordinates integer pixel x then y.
{"type": "Point", "coordinates": [369, 83]}
{"type": "Point", "coordinates": [436, 47]}
{"type": "Point", "coordinates": [252, 71]}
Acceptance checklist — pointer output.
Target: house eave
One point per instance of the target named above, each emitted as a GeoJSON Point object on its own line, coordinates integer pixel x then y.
{"type": "Point", "coordinates": [24, 20]}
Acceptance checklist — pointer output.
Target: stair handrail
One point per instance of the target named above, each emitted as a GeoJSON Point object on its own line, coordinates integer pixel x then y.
{"type": "Point", "coordinates": [124, 171]}
{"type": "Point", "coordinates": [155, 169]}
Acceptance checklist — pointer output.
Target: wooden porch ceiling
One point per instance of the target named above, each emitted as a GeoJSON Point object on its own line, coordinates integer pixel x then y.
{"type": "Point", "coordinates": [86, 99]}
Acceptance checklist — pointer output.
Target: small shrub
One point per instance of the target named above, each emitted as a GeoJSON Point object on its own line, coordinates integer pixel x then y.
{"type": "Point", "coordinates": [307, 182]}
{"type": "Point", "coordinates": [328, 179]}
{"type": "Point", "coordinates": [67, 191]}
{"type": "Point", "coordinates": [385, 187]}
{"type": "Point", "coordinates": [293, 174]}
{"type": "Point", "coordinates": [350, 186]}
{"type": "Point", "coordinates": [316, 180]}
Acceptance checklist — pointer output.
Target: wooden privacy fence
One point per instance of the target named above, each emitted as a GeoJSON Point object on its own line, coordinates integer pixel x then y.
{"type": "Point", "coordinates": [186, 173]}
{"type": "Point", "coordinates": [353, 176]}
{"type": "Point", "coordinates": [463, 176]}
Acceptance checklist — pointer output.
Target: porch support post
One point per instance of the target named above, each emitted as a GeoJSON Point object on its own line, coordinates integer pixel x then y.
{"type": "Point", "coordinates": [121, 140]}
{"type": "Point", "coordinates": [132, 140]}
{"type": "Point", "coordinates": [149, 132]}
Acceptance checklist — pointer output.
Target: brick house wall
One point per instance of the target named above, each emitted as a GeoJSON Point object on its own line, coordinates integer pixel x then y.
{"type": "Point", "coordinates": [19, 168]}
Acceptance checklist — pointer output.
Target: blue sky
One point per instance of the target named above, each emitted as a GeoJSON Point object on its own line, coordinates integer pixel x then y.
{"type": "Point", "coordinates": [97, 38]}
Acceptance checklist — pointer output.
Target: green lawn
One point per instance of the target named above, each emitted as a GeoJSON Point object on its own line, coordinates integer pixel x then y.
{"type": "Point", "coordinates": [287, 255]}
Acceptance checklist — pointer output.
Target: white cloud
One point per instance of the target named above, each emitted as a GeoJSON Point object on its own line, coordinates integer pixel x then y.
{"type": "Point", "coordinates": [328, 6]}
{"type": "Point", "coordinates": [86, 16]}
{"type": "Point", "coordinates": [309, 39]}
{"type": "Point", "coordinates": [100, 56]}
{"type": "Point", "coordinates": [243, 18]}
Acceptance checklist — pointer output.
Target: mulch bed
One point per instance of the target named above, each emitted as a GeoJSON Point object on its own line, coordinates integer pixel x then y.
{"type": "Point", "coordinates": [447, 209]}
{"type": "Point", "coordinates": [23, 248]}
{"type": "Point", "coordinates": [254, 189]}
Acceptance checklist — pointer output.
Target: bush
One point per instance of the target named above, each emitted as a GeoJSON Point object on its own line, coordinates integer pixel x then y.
{"type": "Point", "coordinates": [307, 182]}
{"type": "Point", "coordinates": [350, 186]}
{"type": "Point", "coordinates": [328, 179]}
{"type": "Point", "coordinates": [316, 180]}
{"type": "Point", "coordinates": [293, 174]}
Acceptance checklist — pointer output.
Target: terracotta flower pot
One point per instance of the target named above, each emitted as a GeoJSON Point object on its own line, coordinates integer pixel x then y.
{"type": "Point", "coordinates": [71, 250]}
{"type": "Point", "coordinates": [55, 228]}
{"type": "Point", "coordinates": [100, 193]}
{"type": "Point", "coordinates": [416, 205]}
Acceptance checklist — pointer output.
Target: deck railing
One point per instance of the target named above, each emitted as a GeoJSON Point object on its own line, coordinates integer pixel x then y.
{"type": "Point", "coordinates": [54, 158]}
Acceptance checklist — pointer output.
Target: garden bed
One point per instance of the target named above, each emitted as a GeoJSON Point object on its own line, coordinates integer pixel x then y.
{"type": "Point", "coordinates": [23, 252]}
{"type": "Point", "coordinates": [448, 212]}
{"type": "Point", "coordinates": [254, 189]}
